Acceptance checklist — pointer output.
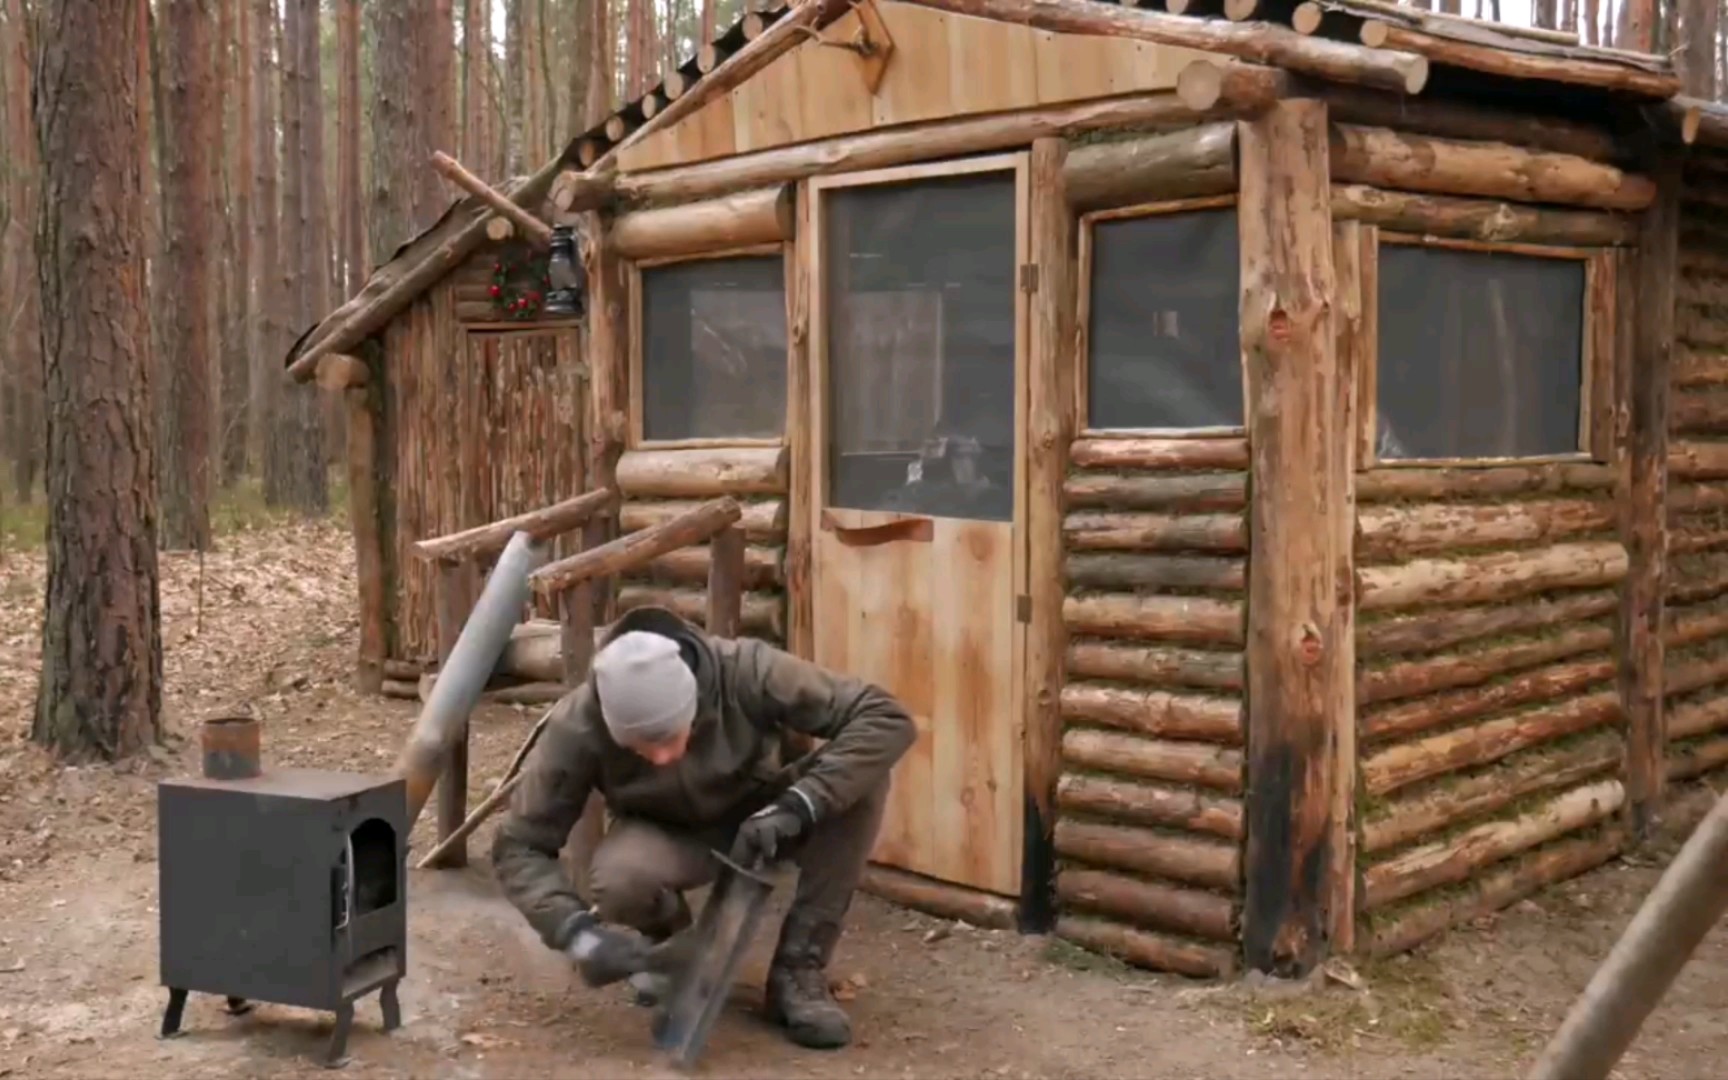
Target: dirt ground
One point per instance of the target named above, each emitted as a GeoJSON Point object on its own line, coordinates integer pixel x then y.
{"type": "Point", "coordinates": [270, 625]}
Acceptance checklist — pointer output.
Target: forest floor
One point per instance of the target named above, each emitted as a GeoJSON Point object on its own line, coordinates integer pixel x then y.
{"type": "Point", "coordinates": [272, 627]}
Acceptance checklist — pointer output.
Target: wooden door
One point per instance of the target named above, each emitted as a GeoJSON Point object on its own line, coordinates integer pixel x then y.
{"type": "Point", "coordinates": [917, 332]}
{"type": "Point", "coordinates": [521, 429]}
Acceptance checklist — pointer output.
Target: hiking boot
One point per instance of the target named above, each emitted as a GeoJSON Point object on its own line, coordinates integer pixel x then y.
{"type": "Point", "coordinates": [649, 988]}
{"type": "Point", "coordinates": [797, 993]}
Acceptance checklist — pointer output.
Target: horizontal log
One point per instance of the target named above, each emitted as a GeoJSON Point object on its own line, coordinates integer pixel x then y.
{"type": "Point", "coordinates": [635, 549]}
{"type": "Point", "coordinates": [1693, 497]}
{"type": "Point", "coordinates": [1144, 949]}
{"type": "Point", "coordinates": [1500, 576]}
{"type": "Point", "coordinates": [1452, 800]}
{"type": "Point", "coordinates": [1185, 493]}
{"type": "Point", "coordinates": [1425, 714]}
{"type": "Point", "coordinates": [504, 693]}
{"type": "Point", "coordinates": [537, 657]}
{"type": "Point", "coordinates": [1478, 219]}
{"type": "Point", "coordinates": [1203, 85]}
{"type": "Point", "coordinates": [407, 670]}
{"type": "Point", "coordinates": [401, 688]}
{"type": "Point", "coordinates": [1692, 367]}
{"type": "Point", "coordinates": [1194, 620]}
{"type": "Point", "coordinates": [537, 231]}
{"type": "Point", "coordinates": [1463, 27]}
{"type": "Point", "coordinates": [690, 566]}
{"type": "Point", "coordinates": [1688, 674]}
{"type": "Point", "coordinates": [1689, 535]}
{"type": "Point", "coordinates": [1497, 889]}
{"type": "Point", "coordinates": [1384, 158]}
{"type": "Point", "coordinates": [1454, 120]}
{"type": "Point", "coordinates": [1150, 804]}
{"type": "Point", "coordinates": [1687, 760]}
{"type": "Point", "coordinates": [1098, 530]}
{"type": "Point", "coordinates": [764, 520]}
{"type": "Point", "coordinates": [1697, 579]}
{"type": "Point", "coordinates": [1694, 718]}
{"type": "Point", "coordinates": [704, 473]}
{"type": "Point", "coordinates": [1154, 712]}
{"type": "Point", "coordinates": [1390, 532]}
{"type": "Point", "coordinates": [1259, 42]}
{"type": "Point", "coordinates": [1406, 763]}
{"type": "Point", "coordinates": [1458, 858]}
{"type": "Point", "coordinates": [1134, 572]}
{"type": "Point", "coordinates": [1431, 631]}
{"type": "Point", "coordinates": [763, 613]}
{"type": "Point", "coordinates": [1493, 59]}
{"type": "Point", "coordinates": [1159, 666]}
{"type": "Point", "coordinates": [1147, 903]}
{"type": "Point", "coordinates": [939, 898]}
{"type": "Point", "coordinates": [1686, 627]}
{"type": "Point", "coordinates": [1432, 674]}
{"type": "Point", "coordinates": [1148, 168]}
{"type": "Point", "coordinates": [1178, 857]}
{"type": "Point", "coordinates": [1697, 460]}
{"type": "Point", "coordinates": [1159, 453]}
{"type": "Point", "coordinates": [739, 220]}
{"type": "Point", "coordinates": [1415, 485]}
{"type": "Point", "coordinates": [1216, 767]}
{"type": "Point", "coordinates": [484, 541]}
{"type": "Point", "coordinates": [1699, 413]}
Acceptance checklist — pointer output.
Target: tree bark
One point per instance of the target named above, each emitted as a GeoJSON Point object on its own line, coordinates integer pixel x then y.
{"type": "Point", "coordinates": [351, 242]}
{"type": "Point", "coordinates": [405, 196]}
{"type": "Point", "coordinates": [100, 692]}
{"type": "Point", "coordinates": [1150, 804]}
{"type": "Point", "coordinates": [266, 341]}
{"type": "Point", "coordinates": [1215, 767]}
{"type": "Point", "coordinates": [237, 350]}
{"type": "Point", "coordinates": [21, 375]}
{"type": "Point", "coordinates": [477, 134]}
{"type": "Point", "coordinates": [193, 134]}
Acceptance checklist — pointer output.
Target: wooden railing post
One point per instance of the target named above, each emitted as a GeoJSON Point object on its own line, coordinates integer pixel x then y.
{"type": "Point", "coordinates": [576, 619]}
{"type": "Point", "coordinates": [726, 582]}
{"type": "Point", "coordinates": [454, 597]}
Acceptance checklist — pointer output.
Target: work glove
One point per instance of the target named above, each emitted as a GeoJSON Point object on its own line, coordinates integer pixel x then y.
{"type": "Point", "coordinates": [602, 954]}
{"type": "Point", "coordinates": [765, 833]}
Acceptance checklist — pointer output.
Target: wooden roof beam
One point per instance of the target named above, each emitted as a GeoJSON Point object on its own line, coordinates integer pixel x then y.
{"type": "Point", "coordinates": [533, 228]}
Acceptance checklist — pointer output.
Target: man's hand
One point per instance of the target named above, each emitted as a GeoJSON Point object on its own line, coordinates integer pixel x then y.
{"type": "Point", "coordinates": [602, 954]}
{"type": "Point", "coordinates": [764, 833]}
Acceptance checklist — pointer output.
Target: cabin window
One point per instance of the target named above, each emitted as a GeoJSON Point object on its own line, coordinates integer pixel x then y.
{"type": "Point", "coordinates": [919, 295]}
{"type": "Point", "coordinates": [1163, 348]}
{"type": "Point", "coordinates": [1481, 353]}
{"type": "Point", "coordinates": [712, 336]}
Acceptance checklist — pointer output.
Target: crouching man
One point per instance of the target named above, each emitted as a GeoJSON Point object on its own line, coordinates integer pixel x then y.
{"type": "Point", "coordinates": [680, 733]}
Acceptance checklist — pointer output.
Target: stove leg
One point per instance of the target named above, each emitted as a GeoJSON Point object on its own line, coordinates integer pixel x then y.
{"type": "Point", "coordinates": [337, 1055]}
{"type": "Point", "coordinates": [238, 1006]}
{"type": "Point", "coordinates": [176, 1009]}
{"type": "Point", "coordinates": [391, 1006]}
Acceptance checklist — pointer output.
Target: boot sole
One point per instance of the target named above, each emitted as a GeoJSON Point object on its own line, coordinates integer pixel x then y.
{"type": "Point", "coordinates": [804, 1035]}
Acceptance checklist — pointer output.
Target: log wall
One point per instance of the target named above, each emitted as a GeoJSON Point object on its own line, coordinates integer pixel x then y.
{"type": "Point", "coordinates": [658, 485]}
{"type": "Point", "coordinates": [1149, 809]}
{"type": "Point", "coordinates": [1489, 723]}
{"type": "Point", "coordinates": [479, 421]}
{"type": "Point", "coordinates": [1695, 666]}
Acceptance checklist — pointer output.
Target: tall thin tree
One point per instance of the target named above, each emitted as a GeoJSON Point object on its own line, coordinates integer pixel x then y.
{"type": "Point", "coordinates": [20, 299]}
{"type": "Point", "coordinates": [193, 129]}
{"type": "Point", "coordinates": [100, 691]}
{"type": "Point", "coordinates": [266, 232]}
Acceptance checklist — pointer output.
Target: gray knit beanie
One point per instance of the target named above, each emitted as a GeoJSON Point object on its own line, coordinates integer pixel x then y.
{"type": "Point", "coordinates": [647, 692]}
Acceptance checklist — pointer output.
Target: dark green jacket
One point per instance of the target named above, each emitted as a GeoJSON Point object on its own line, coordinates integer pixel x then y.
{"type": "Point", "coordinates": [749, 692]}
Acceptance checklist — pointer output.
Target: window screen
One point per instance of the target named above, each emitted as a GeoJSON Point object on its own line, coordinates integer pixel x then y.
{"type": "Point", "coordinates": [1163, 346]}
{"type": "Point", "coordinates": [1481, 353]}
{"type": "Point", "coordinates": [919, 295]}
{"type": "Point", "coordinates": [714, 349]}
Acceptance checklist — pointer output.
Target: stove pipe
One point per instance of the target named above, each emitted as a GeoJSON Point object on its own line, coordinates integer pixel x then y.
{"type": "Point", "coordinates": [231, 750]}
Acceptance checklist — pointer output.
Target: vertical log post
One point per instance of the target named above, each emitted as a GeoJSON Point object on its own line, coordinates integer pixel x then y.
{"type": "Point", "coordinates": [1648, 321]}
{"type": "Point", "coordinates": [1050, 412]}
{"type": "Point", "coordinates": [454, 599]}
{"type": "Point", "coordinates": [576, 624]}
{"type": "Point", "coordinates": [802, 454]}
{"type": "Point", "coordinates": [1299, 656]}
{"type": "Point", "coordinates": [609, 367]}
{"type": "Point", "coordinates": [726, 582]}
{"type": "Point", "coordinates": [368, 545]}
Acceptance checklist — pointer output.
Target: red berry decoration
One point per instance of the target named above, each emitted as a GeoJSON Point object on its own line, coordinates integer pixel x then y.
{"type": "Point", "coordinates": [496, 292]}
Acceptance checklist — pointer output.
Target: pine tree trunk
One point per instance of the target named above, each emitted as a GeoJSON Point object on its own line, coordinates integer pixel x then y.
{"type": "Point", "coordinates": [477, 141]}
{"type": "Point", "coordinates": [583, 16]}
{"type": "Point", "coordinates": [1592, 22]}
{"type": "Point", "coordinates": [100, 692]}
{"type": "Point", "coordinates": [1701, 21]}
{"type": "Point", "coordinates": [514, 79]}
{"type": "Point", "coordinates": [192, 130]}
{"type": "Point", "coordinates": [545, 94]}
{"type": "Point", "coordinates": [351, 255]}
{"type": "Point", "coordinates": [237, 330]}
{"type": "Point", "coordinates": [1544, 14]}
{"type": "Point", "coordinates": [21, 404]}
{"type": "Point", "coordinates": [267, 338]}
{"type": "Point", "coordinates": [324, 421]}
{"type": "Point", "coordinates": [634, 49]}
{"type": "Point", "coordinates": [408, 121]}
{"type": "Point", "coordinates": [707, 21]}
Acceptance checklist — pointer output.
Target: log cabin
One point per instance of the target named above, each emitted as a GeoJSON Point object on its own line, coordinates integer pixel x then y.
{"type": "Point", "coordinates": [1277, 450]}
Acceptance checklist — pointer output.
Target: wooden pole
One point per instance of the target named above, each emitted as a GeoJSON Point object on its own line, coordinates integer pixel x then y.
{"type": "Point", "coordinates": [1173, 165]}
{"type": "Point", "coordinates": [532, 227]}
{"type": "Point", "coordinates": [1050, 408]}
{"type": "Point", "coordinates": [1643, 383]}
{"type": "Point", "coordinates": [726, 582]}
{"type": "Point", "coordinates": [626, 552]}
{"type": "Point", "coordinates": [1686, 903]}
{"type": "Point", "coordinates": [576, 611]}
{"type": "Point", "coordinates": [608, 373]}
{"type": "Point", "coordinates": [483, 541]}
{"type": "Point", "coordinates": [363, 514]}
{"type": "Point", "coordinates": [743, 219]}
{"type": "Point", "coordinates": [1299, 650]}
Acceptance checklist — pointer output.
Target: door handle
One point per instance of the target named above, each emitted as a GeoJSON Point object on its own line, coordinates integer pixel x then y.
{"type": "Point", "coordinates": [917, 530]}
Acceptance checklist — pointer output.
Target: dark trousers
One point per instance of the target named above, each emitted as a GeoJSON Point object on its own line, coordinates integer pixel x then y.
{"type": "Point", "coordinates": [641, 869]}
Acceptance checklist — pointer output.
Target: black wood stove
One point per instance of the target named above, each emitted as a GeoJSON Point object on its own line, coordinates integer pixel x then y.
{"type": "Point", "coordinates": [287, 886]}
